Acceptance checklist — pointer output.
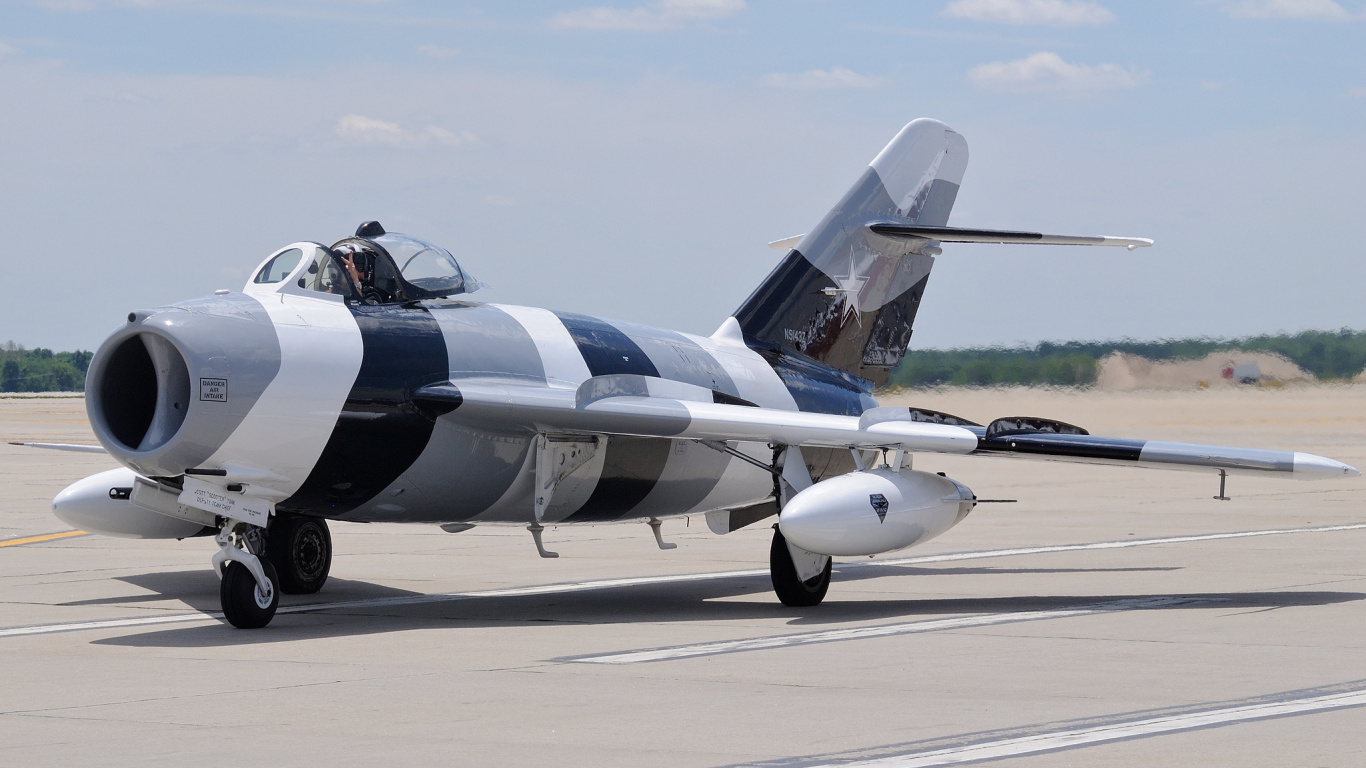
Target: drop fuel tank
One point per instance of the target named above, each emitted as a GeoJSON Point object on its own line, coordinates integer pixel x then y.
{"type": "Point", "coordinates": [874, 511]}
{"type": "Point", "coordinates": [102, 503]}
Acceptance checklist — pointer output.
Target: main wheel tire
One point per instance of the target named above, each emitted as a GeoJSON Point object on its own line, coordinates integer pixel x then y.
{"type": "Point", "coordinates": [245, 606]}
{"type": "Point", "coordinates": [300, 548]}
{"type": "Point", "coordinates": [791, 590]}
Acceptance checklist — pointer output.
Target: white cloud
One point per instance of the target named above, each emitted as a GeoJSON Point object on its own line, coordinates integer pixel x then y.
{"type": "Point", "coordinates": [819, 80]}
{"type": "Point", "coordinates": [1058, 13]}
{"type": "Point", "coordinates": [1287, 9]}
{"type": "Point", "coordinates": [367, 130]}
{"type": "Point", "coordinates": [438, 52]}
{"type": "Point", "coordinates": [67, 5]}
{"type": "Point", "coordinates": [1359, 92]}
{"type": "Point", "coordinates": [6, 50]}
{"type": "Point", "coordinates": [359, 129]}
{"type": "Point", "coordinates": [666, 14]}
{"type": "Point", "coordinates": [1046, 71]}
{"type": "Point", "coordinates": [90, 5]}
{"type": "Point", "coordinates": [499, 200]}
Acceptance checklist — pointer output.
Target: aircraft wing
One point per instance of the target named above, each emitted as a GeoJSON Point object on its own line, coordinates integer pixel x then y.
{"type": "Point", "coordinates": [652, 407]}
{"type": "Point", "coordinates": [1047, 439]}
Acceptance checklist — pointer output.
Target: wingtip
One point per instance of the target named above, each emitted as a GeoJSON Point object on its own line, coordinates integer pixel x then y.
{"type": "Point", "coordinates": [1310, 466]}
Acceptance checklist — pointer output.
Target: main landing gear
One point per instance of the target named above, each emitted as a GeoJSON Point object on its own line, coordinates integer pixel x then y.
{"type": "Point", "coordinates": [255, 567]}
{"type": "Point", "coordinates": [792, 590]}
{"type": "Point", "coordinates": [300, 548]}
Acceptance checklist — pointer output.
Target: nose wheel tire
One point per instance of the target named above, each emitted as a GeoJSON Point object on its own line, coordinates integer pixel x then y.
{"type": "Point", "coordinates": [791, 590]}
{"type": "Point", "coordinates": [245, 604]}
{"type": "Point", "coordinates": [300, 548]}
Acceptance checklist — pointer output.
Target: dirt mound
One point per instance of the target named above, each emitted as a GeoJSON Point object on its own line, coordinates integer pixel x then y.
{"type": "Point", "coordinates": [1120, 371]}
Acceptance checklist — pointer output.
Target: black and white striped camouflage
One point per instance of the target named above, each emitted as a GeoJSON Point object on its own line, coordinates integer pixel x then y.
{"type": "Point", "coordinates": [447, 410]}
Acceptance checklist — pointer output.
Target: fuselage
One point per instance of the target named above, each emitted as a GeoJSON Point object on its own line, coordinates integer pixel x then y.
{"type": "Point", "coordinates": [398, 464]}
{"type": "Point", "coordinates": [317, 401]}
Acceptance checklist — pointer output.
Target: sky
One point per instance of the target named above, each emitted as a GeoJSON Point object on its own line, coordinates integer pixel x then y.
{"type": "Point", "coordinates": [631, 160]}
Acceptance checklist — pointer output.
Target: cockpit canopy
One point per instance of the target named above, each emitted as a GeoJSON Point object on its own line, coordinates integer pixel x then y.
{"type": "Point", "coordinates": [373, 267]}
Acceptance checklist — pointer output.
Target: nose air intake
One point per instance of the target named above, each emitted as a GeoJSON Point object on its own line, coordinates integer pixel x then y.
{"type": "Point", "coordinates": [166, 390]}
{"type": "Point", "coordinates": [143, 392]}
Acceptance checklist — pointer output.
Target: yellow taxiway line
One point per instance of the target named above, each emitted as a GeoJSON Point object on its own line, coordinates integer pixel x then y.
{"type": "Point", "coordinates": [42, 538]}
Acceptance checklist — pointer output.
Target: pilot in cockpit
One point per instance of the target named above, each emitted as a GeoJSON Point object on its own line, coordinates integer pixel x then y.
{"type": "Point", "coordinates": [361, 278]}
{"type": "Point", "coordinates": [361, 266]}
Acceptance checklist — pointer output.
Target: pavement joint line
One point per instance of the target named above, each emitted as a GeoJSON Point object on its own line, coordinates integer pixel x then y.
{"type": "Point", "coordinates": [585, 586]}
{"type": "Point", "coordinates": [1120, 728]}
{"type": "Point", "coordinates": [42, 538]}
{"type": "Point", "coordinates": [882, 630]}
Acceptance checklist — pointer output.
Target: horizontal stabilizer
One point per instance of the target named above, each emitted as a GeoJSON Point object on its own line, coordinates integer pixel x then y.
{"type": "Point", "coordinates": [960, 235]}
{"type": "Point", "coordinates": [1021, 425]}
{"type": "Point", "coordinates": [787, 243]}
{"type": "Point", "coordinates": [921, 415]}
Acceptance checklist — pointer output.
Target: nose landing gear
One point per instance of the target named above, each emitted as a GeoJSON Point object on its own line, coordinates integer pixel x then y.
{"type": "Point", "coordinates": [293, 559]}
{"type": "Point", "coordinates": [250, 587]}
{"type": "Point", "coordinates": [245, 604]}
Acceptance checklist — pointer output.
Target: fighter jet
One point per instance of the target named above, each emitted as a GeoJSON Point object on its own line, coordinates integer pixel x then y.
{"type": "Point", "coordinates": [360, 382]}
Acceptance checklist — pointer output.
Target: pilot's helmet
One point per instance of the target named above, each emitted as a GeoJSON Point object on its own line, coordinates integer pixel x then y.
{"type": "Point", "coordinates": [365, 263]}
{"type": "Point", "coordinates": [363, 260]}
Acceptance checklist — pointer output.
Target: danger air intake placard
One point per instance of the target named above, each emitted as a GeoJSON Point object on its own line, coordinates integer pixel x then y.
{"type": "Point", "coordinates": [215, 390]}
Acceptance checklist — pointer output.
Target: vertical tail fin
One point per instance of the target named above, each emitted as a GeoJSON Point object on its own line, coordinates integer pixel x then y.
{"type": "Point", "coordinates": [846, 296]}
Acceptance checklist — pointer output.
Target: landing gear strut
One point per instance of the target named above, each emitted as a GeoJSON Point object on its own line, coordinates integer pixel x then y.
{"type": "Point", "coordinates": [791, 589]}
{"type": "Point", "coordinates": [300, 548]}
{"type": "Point", "coordinates": [250, 588]}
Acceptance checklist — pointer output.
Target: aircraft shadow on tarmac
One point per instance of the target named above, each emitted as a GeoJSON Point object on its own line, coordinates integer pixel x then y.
{"type": "Point", "coordinates": [701, 600]}
{"type": "Point", "coordinates": [199, 589]}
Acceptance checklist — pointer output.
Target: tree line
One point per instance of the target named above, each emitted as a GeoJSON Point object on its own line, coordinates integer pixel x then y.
{"type": "Point", "coordinates": [41, 370]}
{"type": "Point", "coordinates": [1328, 355]}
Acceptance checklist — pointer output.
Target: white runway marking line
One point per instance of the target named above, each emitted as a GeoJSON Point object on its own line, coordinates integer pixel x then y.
{"type": "Point", "coordinates": [884, 630]}
{"type": "Point", "coordinates": [555, 589]}
{"type": "Point", "coordinates": [947, 558]}
{"type": "Point", "coordinates": [1100, 734]}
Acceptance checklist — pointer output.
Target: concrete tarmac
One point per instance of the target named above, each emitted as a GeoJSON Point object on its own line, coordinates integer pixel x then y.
{"type": "Point", "coordinates": [1109, 617]}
